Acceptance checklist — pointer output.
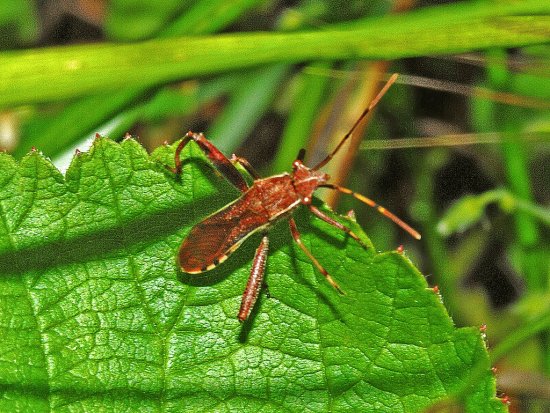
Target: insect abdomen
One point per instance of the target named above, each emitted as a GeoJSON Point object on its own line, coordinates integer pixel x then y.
{"type": "Point", "coordinates": [211, 241]}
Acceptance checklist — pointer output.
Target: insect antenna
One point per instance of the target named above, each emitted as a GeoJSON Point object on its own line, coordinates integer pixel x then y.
{"type": "Point", "coordinates": [372, 104]}
{"type": "Point", "coordinates": [414, 233]}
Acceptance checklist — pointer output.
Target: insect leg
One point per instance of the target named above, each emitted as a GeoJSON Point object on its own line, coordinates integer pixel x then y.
{"type": "Point", "coordinates": [255, 281]}
{"type": "Point", "coordinates": [296, 235]}
{"type": "Point", "coordinates": [336, 224]}
{"type": "Point", "coordinates": [246, 165]}
{"type": "Point", "coordinates": [414, 233]}
{"type": "Point", "coordinates": [220, 161]}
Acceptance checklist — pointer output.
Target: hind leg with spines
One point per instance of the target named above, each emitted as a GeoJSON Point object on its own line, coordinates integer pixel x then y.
{"type": "Point", "coordinates": [255, 280]}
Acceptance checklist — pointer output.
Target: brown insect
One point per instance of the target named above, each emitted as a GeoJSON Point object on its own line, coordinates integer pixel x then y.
{"type": "Point", "coordinates": [261, 205]}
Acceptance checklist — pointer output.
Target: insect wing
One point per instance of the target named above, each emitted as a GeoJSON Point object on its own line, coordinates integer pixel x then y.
{"type": "Point", "coordinates": [211, 241]}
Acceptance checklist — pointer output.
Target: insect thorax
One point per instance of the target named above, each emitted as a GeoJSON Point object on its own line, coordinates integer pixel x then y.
{"type": "Point", "coordinates": [306, 180]}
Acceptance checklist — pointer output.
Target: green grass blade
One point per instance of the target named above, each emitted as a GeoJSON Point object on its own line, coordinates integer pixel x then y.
{"type": "Point", "coordinates": [305, 109]}
{"type": "Point", "coordinates": [65, 72]}
{"type": "Point", "coordinates": [83, 117]}
{"type": "Point", "coordinates": [53, 133]}
{"type": "Point", "coordinates": [132, 20]}
{"type": "Point", "coordinates": [209, 16]}
{"type": "Point", "coordinates": [250, 99]}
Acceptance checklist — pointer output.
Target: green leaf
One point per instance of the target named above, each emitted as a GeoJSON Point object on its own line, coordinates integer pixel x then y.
{"type": "Point", "coordinates": [466, 212]}
{"type": "Point", "coordinates": [94, 314]}
{"type": "Point", "coordinates": [469, 210]}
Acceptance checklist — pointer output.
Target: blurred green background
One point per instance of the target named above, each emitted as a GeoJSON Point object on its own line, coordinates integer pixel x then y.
{"type": "Point", "coordinates": [459, 147]}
